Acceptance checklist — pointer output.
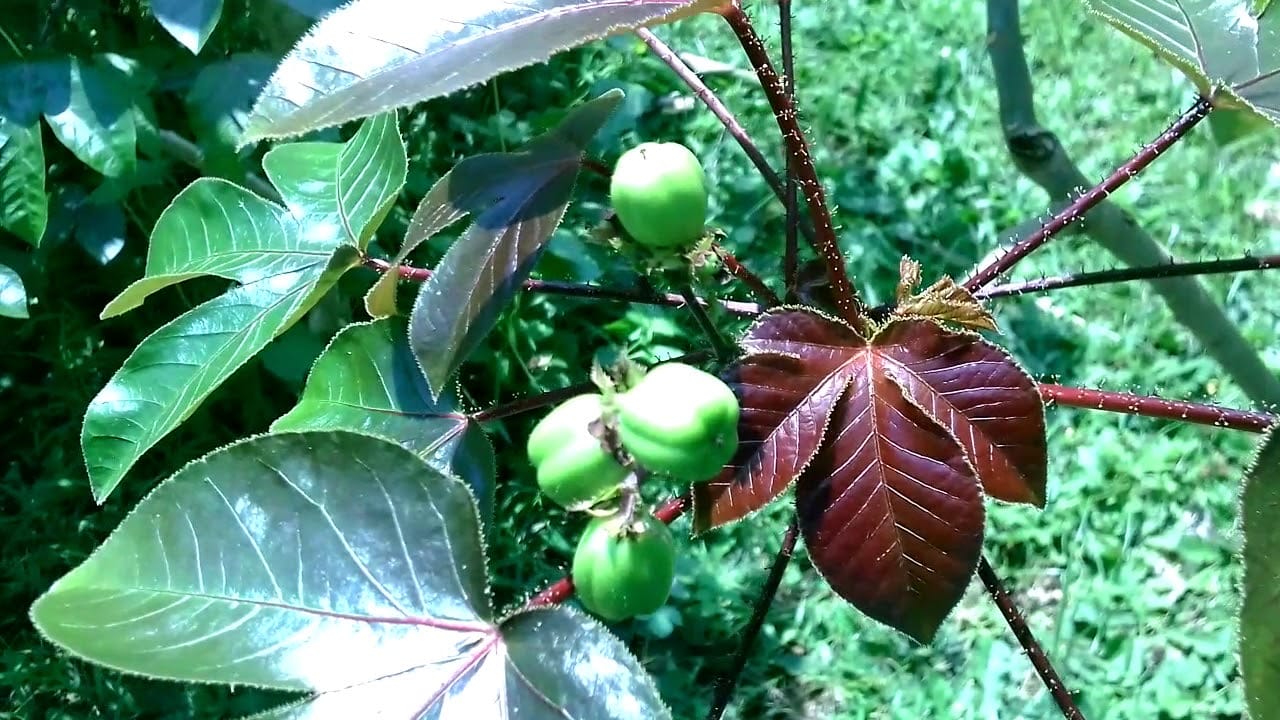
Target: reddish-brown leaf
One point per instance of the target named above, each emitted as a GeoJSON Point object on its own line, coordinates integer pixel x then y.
{"type": "Point", "coordinates": [981, 395]}
{"type": "Point", "coordinates": [890, 508]}
{"type": "Point", "coordinates": [787, 384]}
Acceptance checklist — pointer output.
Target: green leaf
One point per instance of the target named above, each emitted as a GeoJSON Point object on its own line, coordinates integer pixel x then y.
{"type": "Point", "coordinates": [371, 56]}
{"type": "Point", "coordinates": [89, 107]}
{"type": "Point", "coordinates": [285, 259]}
{"type": "Point", "coordinates": [13, 294]}
{"type": "Point", "coordinates": [222, 95]}
{"type": "Point", "coordinates": [1227, 48]}
{"type": "Point", "coordinates": [99, 230]}
{"type": "Point", "coordinates": [190, 22]}
{"type": "Point", "coordinates": [178, 366]}
{"type": "Point", "coordinates": [1259, 621]}
{"type": "Point", "coordinates": [340, 565]}
{"type": "Point", "coordinates": [215, 227]}
{"type": "Point", "coordinates": [518, 199]}
{"type": "Point", "coordinates": [367, 381]}
{"type": "Point", "coordinates": [24, 204]}
{"type": "Point", "coordinates": [1230, 125]}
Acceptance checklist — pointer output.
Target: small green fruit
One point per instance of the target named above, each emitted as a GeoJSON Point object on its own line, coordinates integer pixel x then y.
{"type": "Point", "coordinates": [574, 470]}
{"type": "Point", "coordinates": [680, 421]}
{"type": "Point", "coordinates": [624, 569]}
{"type": "Point", "coordinates": [659, 192]}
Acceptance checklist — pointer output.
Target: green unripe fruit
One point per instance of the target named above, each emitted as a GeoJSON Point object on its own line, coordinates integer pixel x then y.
{"type": "Point", "coordinates": [680, 421]}
{"type": "Point", "coordinates": [659, 192]}
{"type": "Point", "coordinates": [574, 470]}
{"type": "Point", "coordinates": [622, 570]}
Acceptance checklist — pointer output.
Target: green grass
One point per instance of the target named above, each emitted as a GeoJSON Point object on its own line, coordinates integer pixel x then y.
{"type": "Point", "coordinates": [1129, 574]}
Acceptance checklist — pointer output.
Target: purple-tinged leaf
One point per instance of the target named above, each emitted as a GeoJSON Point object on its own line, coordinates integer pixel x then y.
{"type": "Point", "coordinates": [339, 565]}
{"type": "Point", "coordinates": [979, 393]}
{"type": "Point", "coordinates": [367, 381]}
{"type": "Point", "coordinates": [517, 200]}
{"type": "Point", "coordinates": [371, 56]}
{"type": "Point", "coordinates": [890, 509]}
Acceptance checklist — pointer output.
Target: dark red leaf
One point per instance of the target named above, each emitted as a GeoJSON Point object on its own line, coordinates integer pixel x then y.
{"type": "Point", "coordinates": [787, 385]}
{"type": "Point", "coordinates": [979, 393]}
{"type": "Point", "coordinates": [890, 508]}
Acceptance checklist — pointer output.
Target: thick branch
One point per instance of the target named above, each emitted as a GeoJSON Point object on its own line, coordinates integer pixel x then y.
{"type": "Point", "coordinates": [1101, 277]}
{"type": "Point", "coordinates": [825, 244]}
{"type": "Point", "coordinates": [1040, 156]}
{"type": "Point", "coordinates": [726, 683]}
{"type": "Point", "coordinates": [1021, 631]}
{"type": "Point", "coordinates": [1157, 407]}
{"type": "Point", "coordinates": [596, 292]}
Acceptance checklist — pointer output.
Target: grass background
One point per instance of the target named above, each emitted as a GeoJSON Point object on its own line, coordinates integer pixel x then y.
{"type": "Point", "coordinates": [1128, 576]}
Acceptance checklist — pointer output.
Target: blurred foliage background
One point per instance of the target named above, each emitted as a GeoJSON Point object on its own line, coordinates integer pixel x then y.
{"type": "Point", "coordinates": [1129, 576]}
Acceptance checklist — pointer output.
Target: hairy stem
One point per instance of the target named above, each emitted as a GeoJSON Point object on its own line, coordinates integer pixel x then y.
{"type": "Point", "coordinates": [554, 397]}
{"type": "Point", "coordinates": [753, 282]}
{"type": "Point", "coordinates": [825, 244]}
{"type": "Point", "coordinates": [1035, 653]}
{"type": "Point", "coordinates": [562, 589]}
{"type": "Point", "coordinates": [1100, 277]}
{"type": "Point", "coordinates": [723, 348]}
{"type": "Point", "coordinates": [721, 112]}
{"type": "Point", "coordinates": [726, 683]}
{"type": "Point", "coordinates": [596, 292]}
{"type": "Point", "coordinates": [1095, 195]}
{"type": "Point", "coordinates": [1157, 407]}
{"type": "Point", "coordinates": [791, 259]}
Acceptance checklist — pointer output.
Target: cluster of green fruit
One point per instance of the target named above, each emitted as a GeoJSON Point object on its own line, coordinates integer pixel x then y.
{"type": "Point", "coordinates": [590, 454]}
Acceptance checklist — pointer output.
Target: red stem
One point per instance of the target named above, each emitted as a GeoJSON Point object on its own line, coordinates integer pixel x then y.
{"type": "Point", "coordinates": [1035, 653]}
{"type": "Point", "coordinates": [753, 282]}
{"type": "Point", "coordinates": [726, 684]}
{"type": "Point", "coordinates": [1076, 210]}
{"type": "Point", "coordinates": [791, 258]}
{"type": "Point", "coordinates": [1157, 407]}
{"type": "Point", "coordinates": [562, 589]}
{"type": "Point", "coordinates": [551, 287]}
{"type": "Point", "coordinates": [784, 111]}
{"type": "Point", "coordinates": [721, 111]}
{"type": "Point", "coordinates": [1154, 272]}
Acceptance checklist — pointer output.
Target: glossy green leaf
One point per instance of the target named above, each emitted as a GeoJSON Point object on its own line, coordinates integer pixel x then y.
{"type": "Point", "coordinates": [99, 230]}
{"type": "Point", "coordinates": [190, 22]}
{"type": "Point", "coordinates": [371, 56]}
{"type": "Point", "coordinates": [1259, 621]}
{"type": "Point", "coordinates": [24, 204]}
{"type": "Point", "coordinates": [517, 199]}
{"type": "Point", "coordinates": [1229, 49]}
{"type": "Point", "coordinates": [222, 95]}
{"type": "Point", "coordinates": [340, 565]}
{"type": "Point", "coordinates": [284, 257]}
{"type": "Point", "coordinates": [367, 381]}
{"type": "Point", "coordinates": [215, 227]}
{"type": "Point", "coordinates": [89, 107]}
{"type": "Point", "coordinates": [13, 294]}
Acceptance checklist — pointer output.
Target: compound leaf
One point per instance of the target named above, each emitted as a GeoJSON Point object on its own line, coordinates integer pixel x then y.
{"type": "Point", "coordinates": [338, 565]}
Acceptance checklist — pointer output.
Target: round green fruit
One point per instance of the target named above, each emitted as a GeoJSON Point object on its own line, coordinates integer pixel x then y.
{"type": "Point", "coordinates": [659, 192]}
{"type": "Point", "coordinates": [624, 569]}
{"type": "Point", "coordinates": [680, 421]}
{"type": "Point", "coordinates": [573, 468]}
